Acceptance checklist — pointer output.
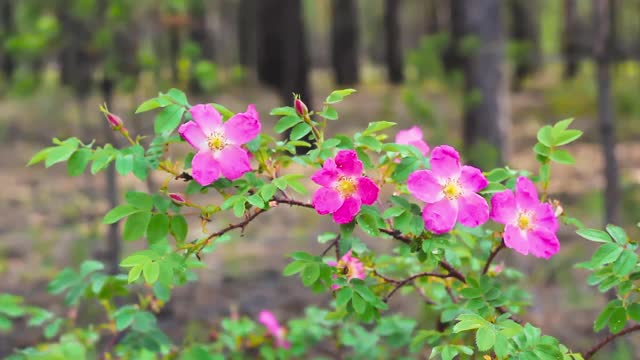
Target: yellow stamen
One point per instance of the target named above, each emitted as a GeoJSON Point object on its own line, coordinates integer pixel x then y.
{"type": "Point", "coordinates": [452, 190]}
{"type": "Point", "coordinates": [524, 221]}
{"type": "Point", "coordinates": [217, 142]}
{"type": "Point", "coordinates": [346, 186]}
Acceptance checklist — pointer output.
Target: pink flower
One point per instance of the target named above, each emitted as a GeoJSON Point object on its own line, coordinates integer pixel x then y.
{"type": "Point", "coordinates": [450, 191]}
{"type": "Point", "coordinates": [278, 332]}
{"type": "Point", "coordinates": [350, 266]}
{"type": "Point", "coordinates": [413, 136]}
{"type": "Point", "coordinates": [530, 226]}
{"type": "Point", "coordinates": [344, 189]}
{"type": "Point", "coordinates": [219, 144]}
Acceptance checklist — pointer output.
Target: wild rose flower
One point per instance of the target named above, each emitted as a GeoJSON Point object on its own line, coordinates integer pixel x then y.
{"type": "Point", "coordinates": [450, 191]}
{"type": "Point", "coordinates": [219, 144]}
{"type": "Point", "coordinates": [413, 136]}
{"type": "Point", "coordinates": [350, 266]}
{"type": "Point", "coordinates": [344, 189]}
{"type": "Point", "coordinates": [278, 332]}
{"type": "Point", "coordinates": [530, 226]}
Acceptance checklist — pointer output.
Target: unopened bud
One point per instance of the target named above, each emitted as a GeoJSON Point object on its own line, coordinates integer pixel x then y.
{"type": "Point", "coordinates": [114, 120]}
{"type": "Point", "coordinates": [177, 198]}
{"type": "Point", "coordinates": [301, 108]}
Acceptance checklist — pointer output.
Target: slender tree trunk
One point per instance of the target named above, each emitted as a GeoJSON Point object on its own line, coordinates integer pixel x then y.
{"type": "Point", "coordinates": [393, 44]}
{"type": "Point", "coordinates": [7, 27]}
{"type": "Point", "coordinates": [344, 41]}
{"type": "Point", "coordinates": [174, 51]}
{"type": "Point", "coordinates": [486, 119]}
{"type": "Point", "coordinates": [606, 111]}
{"type": "Point", "coordinates": [453, 57]}
{"type": "Point", "coordinates": [525, 30]}
{"type": "Point", "coordinates": [247, 33]}
{"type": "Point", "coordinates": [570, 37]}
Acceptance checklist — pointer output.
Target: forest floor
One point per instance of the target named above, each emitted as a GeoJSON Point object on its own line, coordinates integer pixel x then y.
{"type": "Point", "coordinates": [47, 223]}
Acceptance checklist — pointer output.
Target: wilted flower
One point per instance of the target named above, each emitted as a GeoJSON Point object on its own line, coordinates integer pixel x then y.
{"type": "Point", "coordinates": [278, 332]}
{"type": "Point", "coordinates": [350, 267]}
{"type": "Point", "coordinates": [450, 191]}
{"type": "Point", "coordinates": [219, 144]}
{"type": "Point", "coordinates": [530, 226]}
{"type": "Point", "coordinates": [344, 189]}
{"type": "Point", "coordinates": [413, 136]}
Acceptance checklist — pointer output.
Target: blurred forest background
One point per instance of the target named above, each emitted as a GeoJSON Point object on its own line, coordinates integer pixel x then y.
{"type": "Point", "coordinates": [480, 74]}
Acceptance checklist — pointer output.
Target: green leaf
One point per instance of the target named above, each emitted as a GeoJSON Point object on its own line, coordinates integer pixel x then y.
{"type": "Point", "coordinates": [89, 266]}
{"type": "Point", "coordinates": [294, 268]}
{"type": "Point", "coordinates": [626, 263]}
{"type": "Point", "coordinates": [605, 254]}
{"type": "Point", "coordinates": [497, 175]}
{"type": "Point", "coordinates": [40, 156]}
{"type": "Point", "coordinates": [177, 96]}
{"type": "Point", "coordinates": [136, 225]}
{"type": "Point", "coordinates": [179, 228]}
{"type": "Point", "coordinates": [283, 111]}
{"type": "Point", "coordinates": [562, 157]}
{"type": "Point", "coordinates": [561, 125]}
{"type": "Point", "coordinates": [374, 127]}
{"type": "Point", "coordinates": [634, 311]}
{"type": "Point", "coordinates": [618, 320]}
{"type": "Point", "coordinates": [343, 296]}
{"type": "Point", "coordinates": [618, 234]}
{"type": "Point", "coordinates": [541, 149]}
{"type": "Point", "coordinates": [134, 259]}
{"type": "Point", "coordinates": [338, 95]}
{"type": "Point", "coordinates": [594, 235]}
{"type": "Point", "coordinates": [544, 136]}
{"type": "Point", "coordinates": [286, 123]}
{"type": "Point", "coordinates": [256, 201]}
{"type": "Point", "coordinates": [59, 154]}
{"type": "Point", "coordinates": [310, 274]}
{"type": "Point", "coordinates": [78, 161]}
{"type": "Point", "coordinates": [52, 329]}
{"type": "Point", "coordinates": [299, 131]}
{"type": "Point", "coordinates": [142, 201]}
{"type": "Point", "coordinates": [329, 113]}
{"type": "Point", "coordinates": [359, 305]}
{"type": "Point", "coordinates": [101, 159]}
{"type": "Point", "coordinates": [150, 105]}
{"type": "Point", "coordinates": [168, 119]}
{"type": "Point", "coordinates": [469, 322]}
{"type": "Point", "coordinates": [124, 164]}
{"type": "Point", "coordinates": [158, 228]}
{"type": "Point", "coordinates": [392, 212]}
{"type": "Point", "coordinates": [151, 271]}
{"type": "Point", "coordinates": [267, 192]}
{"type": "Point", "coordinates": [134, 273]}
{"type": "Point", "coordinates": [566, 137]}
{"type": "Point", "coordinates": [118, 213]}
{"type": "Point", "coordinates": [368, 223]}
{"type": "Point", "coordinates": [485, 338]}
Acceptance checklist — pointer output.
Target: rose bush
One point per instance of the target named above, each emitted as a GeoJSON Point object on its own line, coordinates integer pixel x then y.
{"type": "Point", "coordinates": [447, 222]}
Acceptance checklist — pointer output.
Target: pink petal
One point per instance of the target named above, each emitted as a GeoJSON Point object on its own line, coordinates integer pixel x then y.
{"type": "Point", "coordinates": [440, 217]}
{"type": "Point", "coordinates": [234, 162]}
{"type": "Point", "coordinates": [473, 210]}
{"type": "Point", "coordinates": [405, 137]}
{"type": "Point", "coordinates": [328, 175]}
{"type": "Point", "coordinates": [207, 117]}
{"type": "Point", "coordinates": [347, 211]}
{"type": "Point", "coordinates": [326, 200]}
{"type": "Point", "coordinates": [205, 168]}
{"type": "Point", "coordinates": [545, 217]}
{"type": "Point", "coordinates": [424, 186]}
{"type": "Point", "coordinates": [421, 145]}
{"type": "Point", "coordinates": [243, 127]}
{"type": "Point", "coordinates": [543, 243]}
{"type": "Point", "coordinates": [526, 194]}
{"type": "Point", "coordinates": [192, 133]}
{"type": "Point", "coordinates": [472, 179]}
{"type": "Point", "coordinates": [347, 162]}
{"type": "Point", "coordinates": [445, 162]}
{"type": "Point", "coordinates": [516, 239]}
{"type": "Point", "coordinates": [503, 207]}
{"type": "Point", "coordinates": [367, 190]}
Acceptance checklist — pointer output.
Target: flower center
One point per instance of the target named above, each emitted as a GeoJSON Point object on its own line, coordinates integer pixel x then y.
{"type": "Point", "coordinates": [452, 189]}
{"type": "Point", "coordinates": [346, 186]}
{"type": "Point", "coordinates": [217, 142]}
{"type": "Point", "coordinates": [525, 221]}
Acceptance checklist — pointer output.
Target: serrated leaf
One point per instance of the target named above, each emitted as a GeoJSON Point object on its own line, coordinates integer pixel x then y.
{"type": "Point", "coordinates": [293, 268]}
{"type": "Point", "coordinates": [158, 228]}
{"type": "Point", "coordinates": [310, 274]}
{"type": "Point", "coordinates": [544, 136]}
{"type": "Point", "coordinates": [136, 225]}
{"type": "Point", "coordinates": [299, 131]}
{"type": "Point", "coordinates": [168, 119]}
{"type": "Point", "coordinates": [605, 254]}
{"type": "Point", "coordinates": [343, 296]}
{"type": "Point", "coordinates": [485, 338]}
{"type": "Point", "coordinates": [634, 311]}
{"type": "Point", "coordinates": [567, 136]}
{"type": "Point", "coordinates": [329, 113]}
{"type": "Point", "coordinates": [78, 161]}
{"type": "Point", "coordinates": [562, 157]}
{"type": "Point", "coordinates": [594, 235]}
{"type": "Point", "coordinates": [134, 273]}
{"type": "Point", "coordinates": [618, 320]}
{"type": "Point", "coordinates": [40, 156]}
{"type": "Point", "coordinates": [142, 201]}
{"type": "Point", "coordinates": [377, 126]}
{"type": "Point", "coordinates": [617, 233]}
{"type": "Point", "coordinates": [124, 164]}
{"type": "Point", "coordinates": [287, 122]}
{"type": "Point", "coordinates": [338, 95]}
{"type": "Point", "coordinates": [118, 213]}
{"type": "Point", "coordinates": [59, 154]}
{"type": "Point", "coordinates": [149, 105]}
{"type": "Point", "coordinates": [151, 272]}
{"type": "Point", "coordinates": [179, 228]}
{"type": "Point", "coordinates": [359, 305]}
{"type": "Point", "coordinates": [626, 263]}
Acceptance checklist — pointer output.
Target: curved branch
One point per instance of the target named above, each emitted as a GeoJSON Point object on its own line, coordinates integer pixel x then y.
{"type": "Point", "coordinates": [589, 354]}
{"type": "Point", "coordinates": [410, 279]}
{"type": "Point", "coordinates": [492, 256]}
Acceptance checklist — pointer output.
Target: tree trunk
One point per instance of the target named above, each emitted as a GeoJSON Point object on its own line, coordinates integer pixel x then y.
{"type": "Point", "coordinates": [570, 37]}
{"type": "Point", "coordinates": [606, 112]}
{"type": "Point", "coordinates": [344, 41]}
{"type": "Point", "coordinates": [7, 27]}
{"type": "Point", "coordinates": [199, 35]}
{"type": "Point", "coordinates": [453, 57]}
{"type": "Point", "coordinates": [525, 30]}
{"type": "Point", "coordinates": [393, 44]}
{"type": "Point", "coordinates": [486, 119]}
{"type": "Point", "coordinates": [247, 33]}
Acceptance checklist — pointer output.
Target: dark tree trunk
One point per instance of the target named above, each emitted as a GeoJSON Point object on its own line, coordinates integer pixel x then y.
{"type": "Point", "coordinates": [247, 33]}
{"type": "Point", "coordinates": [606, 112]}
{"type": "Point", "coordinates": [486, 120]}
{"type": "Point", "coordinates": [570, 37]}
{"type": "Point", "coordinates": [393, 44]}
{"type": "Point", "coordinates": [174, 51]}
{"type": "Point", "coordinates": [198, 28]}
{"type": "Point", "coordinates": [7, 26]}
{"type": "Point", "coordinates": [453, 57]}
{"type": "Point", "coordinates": [437, 13]}
{"type": "Point", "coordinates": [525, 30]}
{"type": "Point", "coordinates": [344, 41]}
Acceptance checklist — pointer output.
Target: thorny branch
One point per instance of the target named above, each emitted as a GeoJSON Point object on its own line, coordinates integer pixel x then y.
{"type": "Point", "coordinates": [492, 256]}
{"type": "Point", "coordinates": [589, 354]}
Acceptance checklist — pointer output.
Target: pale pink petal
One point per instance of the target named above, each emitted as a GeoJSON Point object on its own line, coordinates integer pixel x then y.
{"type": "Point", "coordinates": [242, 127]}
{"type": "Point", "coordinates": [269, 321]}
{"type": "Point", "coordinates": [526, 194]}
{"type": "Point", "coordinates": [347, 211]}
{"type": "Point", "coordinates": [234, 162]}
{"type": "Point", "coordinates": [367, 190]}
{"type": "Point", "coordinates": [347, 161]}
{"type": "Point", "coordinates": [326, 201]}
{"type": "Point", "coordinates": [328, 175]}
{"type": "Point", "coordinates": [191, 132]}
{"type": "Point", "coordinates": [472, 179]}
{"type": "Point", "coordinates": [421, 145]}
{"type": "Point", "coordinates": [543, 243]}
{"type": "Point", "coordinates": [405, 137]}
{"type": "Point", "coordinates": [503, 207]}
{"type": "Point", "coordinates": [205, 168]}
{"type": "Point", "coordinates": [545, 217]}
{"type": "Point", "coordinates": [473, 210]}
{"type": "Point", "coordinates": [445, 162]}
{"type": "Point", "coordinates": [207, 117]}
{"type": "Point", "coordinates": [440, 217]}
{"type": "Point", "coordinates": [515, 239]}
{"type": "Point", "coordinates": [282, 342]}
{"type": "Point", "coordinates": [424, 186]}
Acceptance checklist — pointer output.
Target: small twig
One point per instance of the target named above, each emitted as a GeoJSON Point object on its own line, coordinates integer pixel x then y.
{"type": "Point", "coordinates": [589, 354]}
{"type": "Point", "coordinates": [114, 341]}
{"type": "Point", "coordinates": [410, 279]}
{"type": "Point", "coordinates": [420, 291]}
{"type": "Point", "coordinates": [492, 256]}
{"type": "Point", "coordinates": [453, 271]}
{"type": "Point", "coordinates": [334, 242]}
{"type": "Point", "coordinates": [293, 202]}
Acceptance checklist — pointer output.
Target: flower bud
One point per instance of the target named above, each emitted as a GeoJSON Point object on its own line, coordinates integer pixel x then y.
{"type": "Point", "coordinates": [177, 198]}
{"type": "Point", "coordinates": [114, 120]}
{"type": "Point", "coordinates": [301, 108]}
